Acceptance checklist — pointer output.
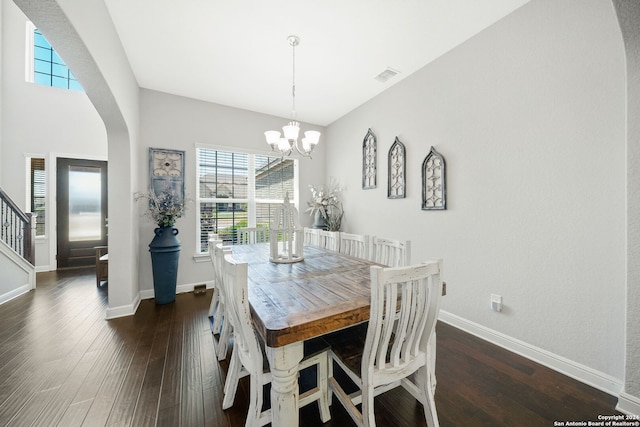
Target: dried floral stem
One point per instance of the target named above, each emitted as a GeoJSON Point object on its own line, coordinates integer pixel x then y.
{"type": "Point", "coordinates": [164, 208]}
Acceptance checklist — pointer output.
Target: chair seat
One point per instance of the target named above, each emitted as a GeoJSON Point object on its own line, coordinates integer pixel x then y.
{"type": "Point", "coordinates": [347, 345]}
{"type": "Point", "coordinates": [102, 264]}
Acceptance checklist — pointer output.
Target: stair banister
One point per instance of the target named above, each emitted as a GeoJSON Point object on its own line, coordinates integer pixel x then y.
{"type": "Point", "coordinates": [17, 228]}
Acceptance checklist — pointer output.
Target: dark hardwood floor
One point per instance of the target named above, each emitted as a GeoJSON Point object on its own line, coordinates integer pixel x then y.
{"type": "Point", "coordinates": [62, 364]}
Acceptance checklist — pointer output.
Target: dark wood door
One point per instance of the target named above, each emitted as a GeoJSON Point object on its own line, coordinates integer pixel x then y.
{"type": "Point", "coordinates": [81, 210]}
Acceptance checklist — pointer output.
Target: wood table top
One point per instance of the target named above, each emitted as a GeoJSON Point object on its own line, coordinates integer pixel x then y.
{"type": "Point", "coordinates": [326, 292]}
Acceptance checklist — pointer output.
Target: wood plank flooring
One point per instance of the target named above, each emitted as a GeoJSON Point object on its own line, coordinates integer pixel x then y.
{"type": "Point", "coordinates": [62, 364]}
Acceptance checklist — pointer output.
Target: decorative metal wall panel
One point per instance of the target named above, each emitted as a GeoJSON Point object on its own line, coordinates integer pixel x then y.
{"type": "Point", "coordinates": [166, 171]}
{"type": "Point", "coordinates": [397, 171]}
{"type": "Point", "coordinates": [433, 182]}
{"type": "Point", "coordinates": [369, 161]}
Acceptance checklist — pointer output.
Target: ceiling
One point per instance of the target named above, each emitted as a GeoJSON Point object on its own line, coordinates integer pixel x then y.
{"type": "Point", "coordinates": [236, 53]}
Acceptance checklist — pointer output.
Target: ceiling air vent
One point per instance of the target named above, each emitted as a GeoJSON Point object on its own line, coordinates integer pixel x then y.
{"type": "Point", "coordinates": [386, 75]}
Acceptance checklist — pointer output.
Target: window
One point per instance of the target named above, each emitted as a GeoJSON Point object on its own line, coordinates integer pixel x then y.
{"type": "Point", "coordinates": [38, 191]}
{"type": "Point", "coordinates": [238, 190]}
{"type": "Point", "coordinates": [48, 68]}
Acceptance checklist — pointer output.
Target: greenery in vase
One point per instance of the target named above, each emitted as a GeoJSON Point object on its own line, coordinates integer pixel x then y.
{"type": "Point", "coordinates": [326, 201]}
{"type": "Point", "coordinates": [164, 208]}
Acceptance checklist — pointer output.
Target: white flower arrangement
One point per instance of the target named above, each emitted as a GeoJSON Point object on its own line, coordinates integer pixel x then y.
{"type": "Point", "coordinates": [326, 201]}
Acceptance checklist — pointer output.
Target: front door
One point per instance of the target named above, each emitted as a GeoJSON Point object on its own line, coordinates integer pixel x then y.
{"type": "Point", "coordinates": [81, 210]}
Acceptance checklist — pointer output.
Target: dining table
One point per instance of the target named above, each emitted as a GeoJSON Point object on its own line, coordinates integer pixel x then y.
{"type": "Point", "coordinates": [294, 302]}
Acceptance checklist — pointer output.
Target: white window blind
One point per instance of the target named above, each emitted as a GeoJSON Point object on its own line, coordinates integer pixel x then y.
{"type": "Point", "coordinates": [38, 181]}
{"type": "Point", "coordinates": [238, 190]}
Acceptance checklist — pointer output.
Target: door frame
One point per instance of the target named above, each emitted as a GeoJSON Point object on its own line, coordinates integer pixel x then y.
{"type": "Point", "coordinates": [52, 206]}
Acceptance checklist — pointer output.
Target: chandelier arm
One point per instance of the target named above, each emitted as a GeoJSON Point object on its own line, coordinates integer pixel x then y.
{"type": "Point", "coordinates": [302, 152]}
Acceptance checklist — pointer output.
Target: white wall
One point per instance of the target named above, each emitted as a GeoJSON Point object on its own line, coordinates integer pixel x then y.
{"type": "Point", "coordinates": [529, 115]}
{"type": "Point", "coordinates": [628, 12]}
{"type": "Point", "coordinates": [15, 279]}
{"type": "Point", "coordinates": [173, 122]}
{"type": "Point", "coordinates": [83, 34]}
{"type": "Point", "coordinates": [42, 121]}
{"type": "Point", "coordinates": [1, 87]}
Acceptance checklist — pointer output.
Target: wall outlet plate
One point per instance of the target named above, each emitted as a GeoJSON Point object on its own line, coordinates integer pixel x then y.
{"type": "Point", "coordinates": [496, 302]}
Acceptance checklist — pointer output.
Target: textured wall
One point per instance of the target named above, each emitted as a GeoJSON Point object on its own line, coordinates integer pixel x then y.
{"type": "Point", "coordinates": [169, 121]}
{"type": "Point", "coordinates": [628, 12]}
{"type": "Point", "coordinates": [40, 121]}
{"type": "Point", "coordinates": [83, 34]}
{"type": "Point", "coordinates": [529, 115]}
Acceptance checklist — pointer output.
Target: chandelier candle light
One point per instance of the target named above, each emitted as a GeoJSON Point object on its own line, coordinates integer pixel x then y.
{"type": "Point", "coordinates": [290, 140]}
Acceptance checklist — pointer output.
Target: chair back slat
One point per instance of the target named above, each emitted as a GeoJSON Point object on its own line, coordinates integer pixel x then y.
{"type": "Point", "coordinates": [214, 240]}
{"type": "Point", "coordinates": [217, 252]}
{"type": "Point", "coordinates": [251, 235]}
{"type": "Point", "coordinates": [404, 307]}
{"type": "Point", "coordinates": [311, 236]}
{"type": "Point", "coordinates": [404, 325]}
{"type": "Point", "coordinates": [392, 253]}
{"type": "Point", "coordinates": [329, 240]}
{"type": "Point", "coordinates": [354, 245]}
{"type": "Point", "coordinates": [235, 284]}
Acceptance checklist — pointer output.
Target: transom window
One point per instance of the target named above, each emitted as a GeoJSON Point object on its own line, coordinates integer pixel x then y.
{"type": "Point", "coordinates": [237, 190]}
{"type": "Point", "coordinates": [48, 68]}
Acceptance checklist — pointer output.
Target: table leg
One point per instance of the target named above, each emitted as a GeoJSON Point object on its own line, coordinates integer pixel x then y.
{"type": "Point", "coordinates": [283, 362]}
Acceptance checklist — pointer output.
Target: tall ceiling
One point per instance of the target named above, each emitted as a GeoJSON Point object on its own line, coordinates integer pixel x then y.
{"type": "Point", "coordinates": [236, 53]}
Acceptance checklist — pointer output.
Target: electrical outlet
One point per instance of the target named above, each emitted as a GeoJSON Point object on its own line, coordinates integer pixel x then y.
{"type": "Point", "coordinates": [496, 302]}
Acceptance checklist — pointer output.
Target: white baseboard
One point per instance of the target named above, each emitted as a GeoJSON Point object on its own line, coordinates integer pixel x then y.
{"type": "Point", "coordinates": [123, 310]}
{"type": "Point", "coordinates": [148, 294]}
{"type": "Point", "coordinates": [42, 268]}
{"type": "Point", "coordinates": [15, 293]}
{"type": "Point", "coordinates": [628, 404]}
{"type": "Point", "coordinates": [180, 289]}
{"type": "Point", "coordinates": [582, 373]}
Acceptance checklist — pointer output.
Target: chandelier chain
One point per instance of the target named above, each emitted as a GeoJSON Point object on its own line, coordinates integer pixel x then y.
{"type": "Point", "coordinates": [289, 142]}
{"type": "Point", "coordinates": [293, 84]}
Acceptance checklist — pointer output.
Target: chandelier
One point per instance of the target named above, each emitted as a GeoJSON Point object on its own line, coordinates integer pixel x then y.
{"type": "Point", "coordinates": [289, 141]}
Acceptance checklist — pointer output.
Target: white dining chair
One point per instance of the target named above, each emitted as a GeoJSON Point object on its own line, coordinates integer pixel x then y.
{"type": "Point", "coordinates": [311, 236]}
{"type": "Point", "coordinates": [221, 324]}
{"type": "Point", "coordinates": [391, 351]}
{"type": "Point", "coordinates": [329, 240]}
{"type": "Point", "coordinates": [250, 235]}
{"type": "Point", "coordinates": [355, 245]}
{"type": "Point", "coordinates": [391, 253]}
{"type": "Point", "coordinates": [215, 299]}
{"type": "Point", "coordinates": [247, 357]}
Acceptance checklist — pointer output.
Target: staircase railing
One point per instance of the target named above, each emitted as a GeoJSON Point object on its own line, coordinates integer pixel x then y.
{"type": "Point", "coordinates": [16, 228]}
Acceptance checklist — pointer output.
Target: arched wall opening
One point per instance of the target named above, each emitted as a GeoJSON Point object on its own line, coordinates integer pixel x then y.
{"type": "Point", "coordinates": [83, 34]}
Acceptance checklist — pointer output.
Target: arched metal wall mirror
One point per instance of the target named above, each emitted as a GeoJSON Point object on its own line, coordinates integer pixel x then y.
{"type": "Point", "coordinates": [433, 182]}
{"type": "Point", "coordinates": [369, 160]}
{"type": "Point", "coordinates": [396, 188]}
